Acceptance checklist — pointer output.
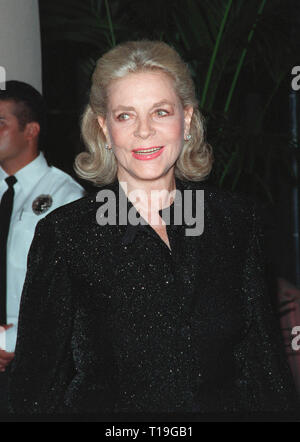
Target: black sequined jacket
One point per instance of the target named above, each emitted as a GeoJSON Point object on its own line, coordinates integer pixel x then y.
{"type": "Point", "coordinates": [112, 321]}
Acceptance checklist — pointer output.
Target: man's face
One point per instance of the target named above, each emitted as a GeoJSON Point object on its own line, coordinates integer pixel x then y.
{"type": "Point", "coordinates": [13, 142]}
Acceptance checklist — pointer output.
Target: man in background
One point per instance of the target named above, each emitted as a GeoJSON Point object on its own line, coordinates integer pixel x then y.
{"type": "Point", "coordinates": [29, 190]}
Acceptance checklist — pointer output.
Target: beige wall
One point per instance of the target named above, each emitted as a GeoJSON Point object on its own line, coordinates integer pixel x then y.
{"type": "Point", "coordinates": [20, 44]}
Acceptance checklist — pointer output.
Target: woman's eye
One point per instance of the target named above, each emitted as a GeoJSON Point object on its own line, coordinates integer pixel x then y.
{"type": "Point", "coordinates": [162, 113]}
{"type": "Point", "coordinates": [123, 117]}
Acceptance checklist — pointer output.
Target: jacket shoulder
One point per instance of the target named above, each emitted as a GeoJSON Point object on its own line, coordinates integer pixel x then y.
{"type": "Point", "coordinates": [69, 216]}
{"type": "Point", "coordinates": [221, 199]}
{"type": "Point", "coordinates": [76, 216]}
{"type": "Point", "coordinates": [233, 213]}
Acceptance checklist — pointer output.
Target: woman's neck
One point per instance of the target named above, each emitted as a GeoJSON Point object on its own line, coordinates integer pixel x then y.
{"type": "Point", "coordinates": [148, 196]}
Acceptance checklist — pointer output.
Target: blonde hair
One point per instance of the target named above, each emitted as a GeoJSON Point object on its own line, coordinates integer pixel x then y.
{"type": "Point", "coordinates": [100, 165]}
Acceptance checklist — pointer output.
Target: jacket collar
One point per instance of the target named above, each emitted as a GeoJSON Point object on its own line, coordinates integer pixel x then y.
{"type": "Point", "coordinates": [130, 231]}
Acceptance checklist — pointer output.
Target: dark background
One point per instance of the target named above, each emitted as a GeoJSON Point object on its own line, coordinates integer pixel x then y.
{"type": "Point", "coordinates": [251, 136]}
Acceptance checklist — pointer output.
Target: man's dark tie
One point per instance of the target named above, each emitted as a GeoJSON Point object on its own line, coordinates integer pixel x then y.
{"type": "Point", "coordinates": [6, 208]}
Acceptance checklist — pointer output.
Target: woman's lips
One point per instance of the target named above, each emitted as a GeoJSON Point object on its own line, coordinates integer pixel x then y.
{"type": "Point", "coordinates": [148, 153]}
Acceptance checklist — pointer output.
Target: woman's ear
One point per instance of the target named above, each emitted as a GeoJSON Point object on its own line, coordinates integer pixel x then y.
{"type": "Point", "coordinates": [103, 125]}
{"type": "Point", "coordinates": [188, 113]}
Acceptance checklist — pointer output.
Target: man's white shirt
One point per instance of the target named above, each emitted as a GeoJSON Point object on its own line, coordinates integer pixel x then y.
{"type": "Point", "coordinates": [37, 183]}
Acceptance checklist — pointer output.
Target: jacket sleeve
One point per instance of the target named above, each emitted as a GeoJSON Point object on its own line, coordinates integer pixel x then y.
{"type": "Point", "coordinates": [59, 365]}
{"type": "Point", "coordinates": [265, 381]}
{"type": "Point", "coordinates": [45, 322]}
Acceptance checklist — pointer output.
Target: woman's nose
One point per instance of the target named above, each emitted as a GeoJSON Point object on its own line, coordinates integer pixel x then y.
{"type": "Point", "coordinates": [144, 129]}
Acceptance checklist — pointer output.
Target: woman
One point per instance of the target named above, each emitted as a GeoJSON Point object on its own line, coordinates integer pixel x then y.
{"type": "Point", "coordinates": [145, 315]}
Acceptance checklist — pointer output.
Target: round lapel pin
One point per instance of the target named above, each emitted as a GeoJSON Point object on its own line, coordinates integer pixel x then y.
{"type": "Point", "coordinates": [41, 204]}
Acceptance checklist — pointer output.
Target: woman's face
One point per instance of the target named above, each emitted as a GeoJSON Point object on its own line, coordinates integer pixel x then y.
{"type": "Point", "coordinates": [145, 125]}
